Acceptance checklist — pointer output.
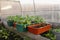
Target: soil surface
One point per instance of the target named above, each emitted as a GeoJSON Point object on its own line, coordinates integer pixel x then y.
{"type": "Point", "coordinates": [42, 25]}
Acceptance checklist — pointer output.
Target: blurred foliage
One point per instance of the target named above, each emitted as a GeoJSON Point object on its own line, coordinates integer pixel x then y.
{"type": "Point", "coordinates": [57, 30]}
{"type": "Point", "coordinates": [49, 35]}
{"type": "Point", "coordinates": [25, 20]}
{"type": "Point", "coordinates": [8, 35]}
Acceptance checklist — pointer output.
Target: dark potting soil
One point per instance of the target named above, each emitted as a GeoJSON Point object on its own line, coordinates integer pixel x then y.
{"type": "Point", "coordinates": [42, 25]}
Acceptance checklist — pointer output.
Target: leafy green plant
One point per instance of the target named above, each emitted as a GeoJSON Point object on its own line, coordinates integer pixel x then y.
{"type": "Point", "coordinates": [49, 35]}
{"type": "Point", "coordinates": [26, 20]}
{"type": "Point", "coordinates": [37, 19]}
{"type": "Point", "coordinates": [57, 30]}
{"type": "Point", "coordinates": [8, 35]}
{"type": "Point", "coordinates": [9, 18]}
{"type": "Point", "coordinates": [3, 32]}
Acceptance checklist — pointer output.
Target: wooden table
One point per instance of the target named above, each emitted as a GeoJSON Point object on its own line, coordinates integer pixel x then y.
{"type": "Point", "coordinates": [25, 35]}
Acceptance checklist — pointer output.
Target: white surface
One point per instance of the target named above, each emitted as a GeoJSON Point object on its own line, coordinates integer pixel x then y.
{"type": "Point", "coordinates": [51, 12]}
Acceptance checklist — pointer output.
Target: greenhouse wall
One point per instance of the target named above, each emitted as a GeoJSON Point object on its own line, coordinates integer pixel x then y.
{"type": "Point", "coordinates": [51, 12]}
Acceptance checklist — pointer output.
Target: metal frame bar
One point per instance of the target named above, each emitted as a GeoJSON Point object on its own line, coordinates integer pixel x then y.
{"type": "Point", "coordinates": [21, 7]}
{"type": "Point", "coordinates": [34, 7]}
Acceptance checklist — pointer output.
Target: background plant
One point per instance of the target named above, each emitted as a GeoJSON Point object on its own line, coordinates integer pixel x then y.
{"type": "Point", "coordinates": [57, 30]}
{"type": "Point", "coordinates": [8, 35]}
{"type": "Point", "coordinates": [26, 20]}
{"type": "Point", "coordinates": [49, 35]}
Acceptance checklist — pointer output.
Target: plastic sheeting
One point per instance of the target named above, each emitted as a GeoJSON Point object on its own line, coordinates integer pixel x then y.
{"type": "Point", "coordinates": [51, 12]}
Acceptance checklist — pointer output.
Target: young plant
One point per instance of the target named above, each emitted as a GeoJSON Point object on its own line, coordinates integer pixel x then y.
{"type": "Point", "coordinates": [39, 19]}
{"type": "Point", "coordinates": [57, 30]}
{"type": "Point", "coordinates": [49, 35]}
{"type": "Point", "coordinates": [10, 19]}
{"type": "Point", "coordinates": [8, 35]}
{"type": "Point", "coordinates": [16, 18]}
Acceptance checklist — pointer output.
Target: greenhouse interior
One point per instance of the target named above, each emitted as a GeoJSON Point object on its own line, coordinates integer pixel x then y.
{"type": "Point", "coordinates": [24, 19]}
